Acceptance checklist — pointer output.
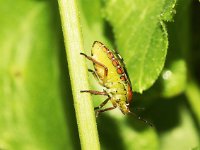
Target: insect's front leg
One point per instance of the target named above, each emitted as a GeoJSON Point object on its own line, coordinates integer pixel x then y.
{"type": "Point", "coordinates": [100, 64]}
{"type": "Point", "coordinates": [95, 76]}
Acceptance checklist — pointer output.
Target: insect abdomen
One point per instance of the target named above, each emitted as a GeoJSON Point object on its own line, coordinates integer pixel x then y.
{"type": "Point", "coordinates": [105, 56]}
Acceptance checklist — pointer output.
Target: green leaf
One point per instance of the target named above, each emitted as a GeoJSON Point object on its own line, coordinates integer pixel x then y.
{"type": "Point", "coordinates": [141, 37]}
{"type": "Point", "coordinates": [168, 10]}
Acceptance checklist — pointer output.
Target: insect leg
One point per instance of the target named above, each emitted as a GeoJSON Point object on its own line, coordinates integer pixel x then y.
{"type": "Point", "coordinates": [104, 110]}
{"type": "Point", "coordinates": [102, 104]}
{"type": "Point", "coordinates": [95, 75]}
{"type": "Point", "coordinates": [100, 64]}
{"type": "Point", "coordinates": [95, 92]}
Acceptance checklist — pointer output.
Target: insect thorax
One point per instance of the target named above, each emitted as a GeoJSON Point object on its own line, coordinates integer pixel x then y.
{"type": "Point", "coordinates": [117, 90]}
{"type": "Point", "coordinates": [119, 95]}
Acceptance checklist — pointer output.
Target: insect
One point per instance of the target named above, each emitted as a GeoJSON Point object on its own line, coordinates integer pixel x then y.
{"type": "Point", "coordinates": [111, 73]}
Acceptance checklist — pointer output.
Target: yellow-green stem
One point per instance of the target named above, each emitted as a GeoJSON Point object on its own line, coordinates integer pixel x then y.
{"type": "Point", "coordinates": [78, 75]}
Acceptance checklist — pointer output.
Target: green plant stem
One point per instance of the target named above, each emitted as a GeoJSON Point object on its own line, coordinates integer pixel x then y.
{"type": "Point", "coordinates": [78, 75]}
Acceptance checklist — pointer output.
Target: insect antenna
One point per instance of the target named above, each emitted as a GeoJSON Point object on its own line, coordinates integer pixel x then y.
{"type": "Point", "coordinates": [141, 119]}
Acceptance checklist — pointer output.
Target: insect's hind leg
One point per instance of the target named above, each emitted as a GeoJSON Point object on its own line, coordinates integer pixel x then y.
{"type": "Point", "coordinates": [104, 110]}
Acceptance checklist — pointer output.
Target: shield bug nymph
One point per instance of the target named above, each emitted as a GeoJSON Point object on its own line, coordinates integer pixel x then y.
{"type": "Point", "coordinates": [110, 71]}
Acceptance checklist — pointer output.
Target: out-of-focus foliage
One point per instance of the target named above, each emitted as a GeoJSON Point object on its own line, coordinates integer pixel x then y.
{"type": "Point", "coordinates": [36, 110]}
{"type": "Point", "coordinates": [34, 98]}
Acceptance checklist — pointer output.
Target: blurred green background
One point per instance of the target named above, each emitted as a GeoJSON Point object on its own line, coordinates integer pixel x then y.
{"type": "Point", "coordinates": [36, 103]}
